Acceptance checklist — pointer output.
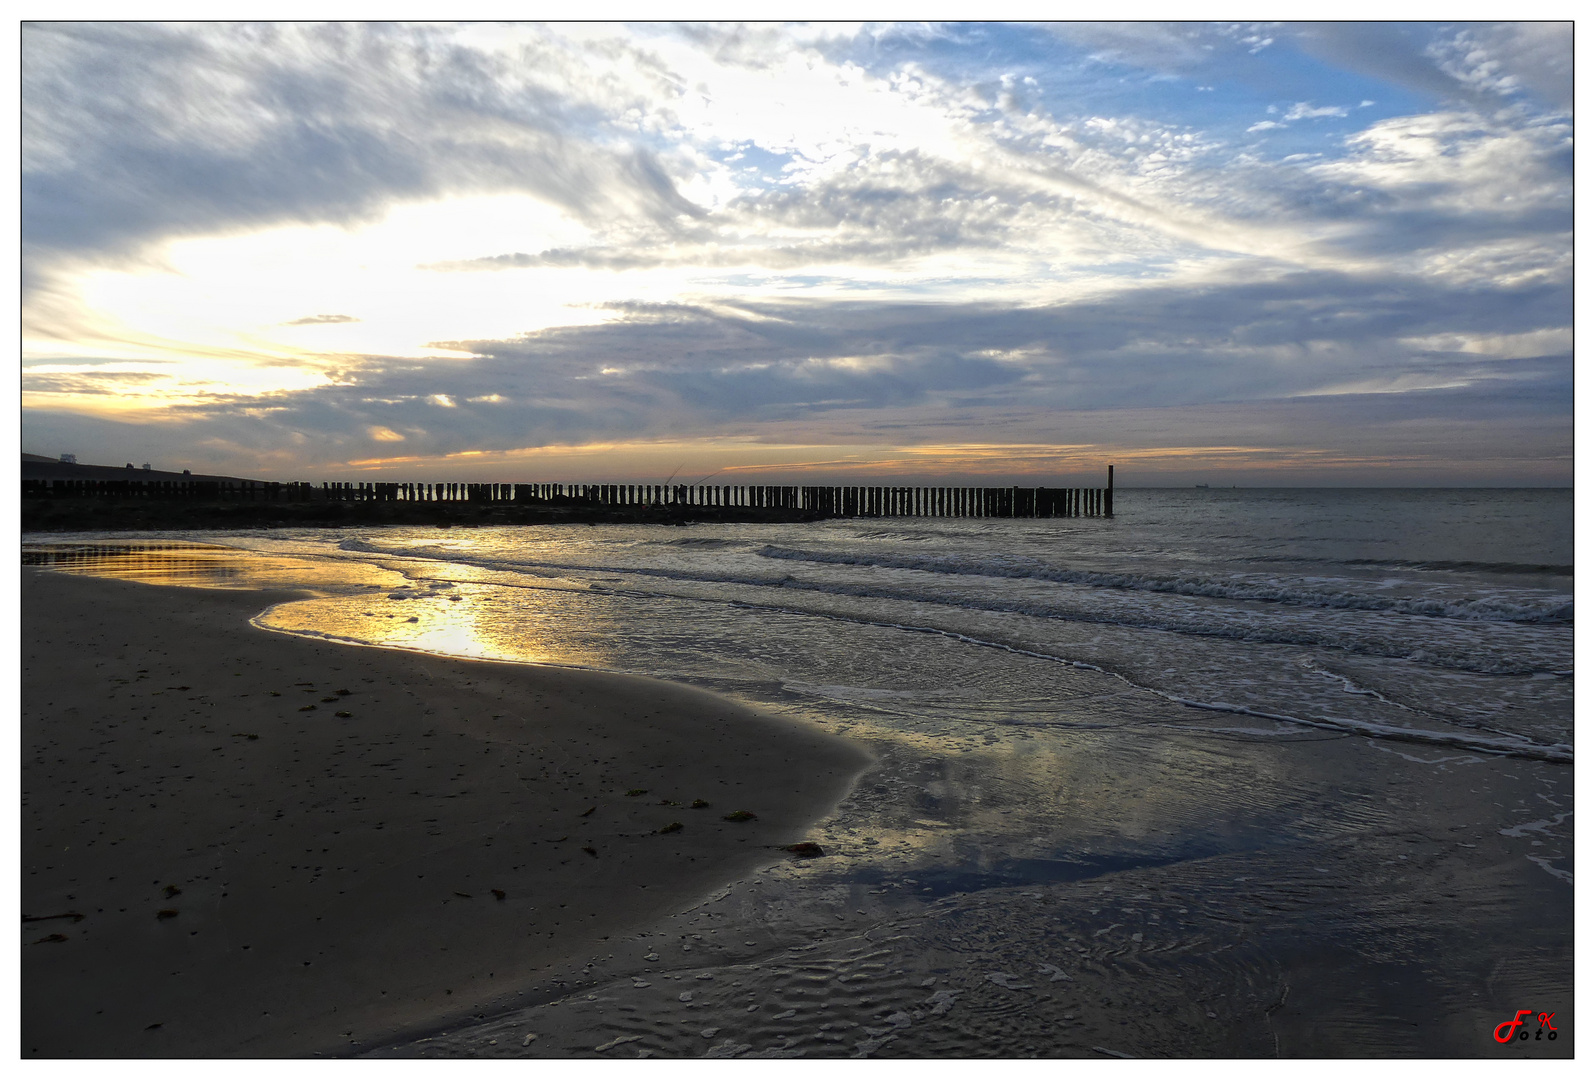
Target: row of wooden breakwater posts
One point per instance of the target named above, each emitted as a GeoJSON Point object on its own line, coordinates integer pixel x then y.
{"type": "Point", "coordinates": [829, 501]}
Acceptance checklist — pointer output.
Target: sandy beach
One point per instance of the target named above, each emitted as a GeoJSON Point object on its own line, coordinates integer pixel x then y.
{"type": "Point", "coordinates": [1028, 857]}
{"type": "Point", "coordinates": [239, 843]}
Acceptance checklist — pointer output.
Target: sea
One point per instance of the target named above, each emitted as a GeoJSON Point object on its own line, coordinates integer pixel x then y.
{"type": "Point", "coordinates": [1235, 772]}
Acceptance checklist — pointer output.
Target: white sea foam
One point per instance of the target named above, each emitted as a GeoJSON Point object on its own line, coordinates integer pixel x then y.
{"type": "Point", "coordinates": [1542, 826]}
{"type": "Point", "coordinates": [1392, 617]}
{"type": "Point", "coordinates": [1076, 606]}
{"type": "Point", "coordinates": [1226, 587]}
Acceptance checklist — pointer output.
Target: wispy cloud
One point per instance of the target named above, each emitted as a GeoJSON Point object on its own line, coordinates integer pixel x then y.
{"type": "Point", "coordinates": [321, 320]}
{"type": "Point", "coordinates": [1304, 110]}
{"type": "Point", "coordinates": [859, 236]}
{"type": "Point", "coordinates": [135, 131]}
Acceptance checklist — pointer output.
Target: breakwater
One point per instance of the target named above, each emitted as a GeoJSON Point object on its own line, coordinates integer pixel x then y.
{"type": "Point", "coordinates": [816, 500]}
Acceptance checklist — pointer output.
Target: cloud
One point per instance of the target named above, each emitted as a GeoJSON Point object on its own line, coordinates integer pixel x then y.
{"type": "Point", "coordinates": [1168, 48]}
{"type": "Point", "coordinates": [1457, 181]}
{"type": "Point", "coordinates": [133, 132]}
{"type": "Point", "coordinates": [1031, 226]}
{"type": "Point", "coordinates": [321, 320]}
{"type": "Point", "coordinates": [882, 210]}
{"type": "Point", "coordinates": [137, 132]}
{"type": "Point", "coordinates": [1304, 110]}
{"type": "Point", "coordinates": [1479, 65]}
{"type": "Point", "coordinates": [93, 381]}
{"type": "Point", "coordinates": [854, 370]}
{"type": "Point", "coordinates": [1506, 59]}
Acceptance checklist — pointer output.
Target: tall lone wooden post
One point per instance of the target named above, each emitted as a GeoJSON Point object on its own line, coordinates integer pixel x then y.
{"type": "Point", "coordinates": [1107, 504]}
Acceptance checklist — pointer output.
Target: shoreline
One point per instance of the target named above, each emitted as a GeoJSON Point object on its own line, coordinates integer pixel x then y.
{"type": "Point", "coordinates": [341, 883]}
{"type": "Point", "coordinates": [1109, 870]}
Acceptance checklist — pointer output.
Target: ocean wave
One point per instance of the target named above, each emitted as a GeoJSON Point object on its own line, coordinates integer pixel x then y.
{"type": "Point", "coordinates": [1468, 567]}
{"type": "Point", "coordinates": [1507, 745]}
{"type": "Point", "coordinates": [1352, 633]}
{"type": "Point", "coordinates": [692, 543]}
{"type": "Point", "coordinates": [1552, 610]}
{"type": "Point", "coordinates": [1205, 624]}
{"type": "Point", "coordinates": [1458, 566]}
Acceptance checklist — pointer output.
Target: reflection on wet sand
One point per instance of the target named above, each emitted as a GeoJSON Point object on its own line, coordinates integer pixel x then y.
{"type": "Point", "coordinates": [205, 566]}
{"type": "Point", "coordinates": [1043, 859]}
{"type": "Point", "coordinates": [450, 619]}
{"type": "Point", "coordinates": [153, 562]}
{"type": "Point", "coordinates": [357, 602]}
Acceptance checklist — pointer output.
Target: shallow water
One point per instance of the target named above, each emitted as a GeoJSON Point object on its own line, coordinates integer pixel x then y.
{"type": "Point", "coordinates": [1231, 773]}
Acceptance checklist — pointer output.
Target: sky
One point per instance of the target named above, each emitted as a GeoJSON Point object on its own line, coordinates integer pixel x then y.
{"type": "Point", "coordinates": [1274, 253]}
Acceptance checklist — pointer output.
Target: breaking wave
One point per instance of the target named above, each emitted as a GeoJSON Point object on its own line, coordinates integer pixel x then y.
{"type": "Point", "coordinates": [1485, 609]}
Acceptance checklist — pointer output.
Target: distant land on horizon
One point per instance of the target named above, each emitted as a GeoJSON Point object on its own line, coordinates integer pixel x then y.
{"type": "Point", "coordinates": [39, 467]}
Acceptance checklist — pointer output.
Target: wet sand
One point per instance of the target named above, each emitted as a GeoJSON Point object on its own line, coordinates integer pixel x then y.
{"type": "Point", "coordinates": [215, 863]}
{"type": "Point", "coordinates": [1129, 882]}
{"type": "Point", "coordinates": [1380, 913]}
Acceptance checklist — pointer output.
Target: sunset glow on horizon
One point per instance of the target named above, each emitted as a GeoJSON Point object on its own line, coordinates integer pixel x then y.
{"type": "Point", "coordinates": [1285, 253]}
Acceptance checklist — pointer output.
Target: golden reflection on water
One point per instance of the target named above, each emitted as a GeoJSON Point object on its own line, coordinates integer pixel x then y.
{"type": "Point", "coordinates": [159, 562]}
{"type": "Point", "coordinates": [359, 601]}
{"type": "Point", "coordinates": [459, 619]}
{"type": "Point", "coordinates": [977, 784]}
